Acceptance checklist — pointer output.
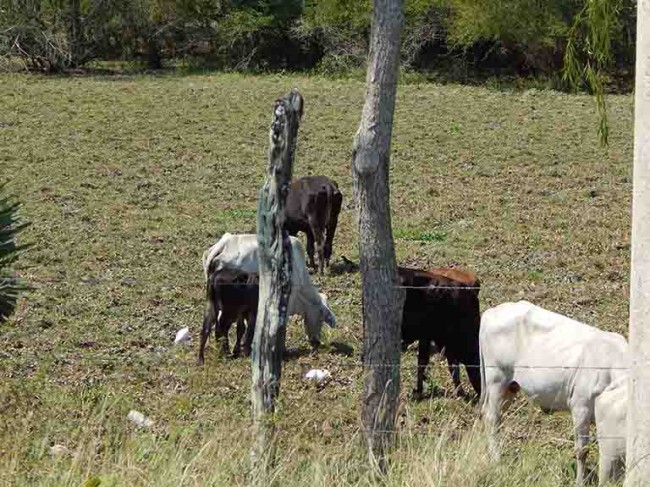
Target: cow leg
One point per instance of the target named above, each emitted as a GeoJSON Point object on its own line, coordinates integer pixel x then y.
{"type": "Point", "coordinates": [607, 463]}
{"type": "Point", "coordinates": [205, 332]}
{"type": "Point", "coordinates": [318, 236]}
{"type": "Point", "coordinates": [221, 331]}
{"type": "Point", "coordinates": [474, 376]}
{"type": "Point", "coordinates": [491, 409]}
{"type": "Point", "coordinates": [330, 229]}
{"type": "Point", "coordinates": [582, 418]}
{"type": "Point", "coordinates": [250, 331]}
{"type": "Point", "coordinates": [618, 467]}
{"type": "Point", "coordinates": [320, 250]}
{"type": "Point", "coordinates": [454, 369]}
{"type": "Point", "coordinates": [310, 248]}
{"type": "Point", "coordinates": [241, 330]}
{"type": "Point", "coordinates": [424, 353]}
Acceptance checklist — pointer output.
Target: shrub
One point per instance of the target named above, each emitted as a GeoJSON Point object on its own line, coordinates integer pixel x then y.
{"type": "Point", "coordinates": [10, 225]}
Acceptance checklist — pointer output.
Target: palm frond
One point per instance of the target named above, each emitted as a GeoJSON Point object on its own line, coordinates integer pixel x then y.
{"type": "Point", "coordinates": [10, 225]}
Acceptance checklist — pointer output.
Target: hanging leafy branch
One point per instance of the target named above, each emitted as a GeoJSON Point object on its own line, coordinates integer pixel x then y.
{"type": "Point", "coordinates": [588, 54]}
{"type": "Point", "coordinates": [10, 225]}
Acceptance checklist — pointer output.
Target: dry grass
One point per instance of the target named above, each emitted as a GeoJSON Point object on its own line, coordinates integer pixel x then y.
{"type": "Point", "coordinates": [127, 180]}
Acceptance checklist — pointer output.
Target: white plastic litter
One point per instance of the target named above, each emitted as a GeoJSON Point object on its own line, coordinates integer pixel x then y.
{"type": "Point", "coordinates": [139, 419]}
{"type": "Point", "coordinates": [317, 374]}
{"type": "Point", "coordinates": [182, 335]}
{"type": "Point", "coordinates": [59, 450]}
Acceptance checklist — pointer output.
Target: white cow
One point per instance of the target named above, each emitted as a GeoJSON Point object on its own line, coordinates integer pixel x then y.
{"type": "Point", "coordinates": [562, 363]}
{"type": "Point", "coordinates": [611, 414]}
{"type": "Point", "coordinates": [239, 253]}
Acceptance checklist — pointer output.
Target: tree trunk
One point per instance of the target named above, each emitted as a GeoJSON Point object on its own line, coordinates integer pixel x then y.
{"type": "Point", "coordinates": [274, 255]}
{"type": "Point", "coordinates": [74, 33]}
{"type": "Point", "coordinates": [154, 57]}
{"type": "Point", "coordinates": [382, 301]}
{"type": "Point", "coordinates": [638, 416]}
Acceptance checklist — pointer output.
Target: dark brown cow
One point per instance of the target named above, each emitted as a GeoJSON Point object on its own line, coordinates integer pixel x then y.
{"type": "Point", "coordinates": [442, 307]}
{"type": "Point", "coordinates": [313, 207]}
{"type": "Point", "coordinates": [235, 294]}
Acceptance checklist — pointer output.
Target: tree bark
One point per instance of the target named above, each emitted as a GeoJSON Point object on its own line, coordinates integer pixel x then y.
{"type": "Point", "coordinates": [638, 414]}
{"type": "Point", "coordinates": [382, 301]}
{"type": "Point", "coordinates": [274, 256]}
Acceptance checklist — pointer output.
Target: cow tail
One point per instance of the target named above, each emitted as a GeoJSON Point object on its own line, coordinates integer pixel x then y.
{"type": "Point", "coordinates": [212, 300]}
{"type": "Point", "coordinates": [210, 254]}
{"type": "Point", "coordinates": [483, 380]}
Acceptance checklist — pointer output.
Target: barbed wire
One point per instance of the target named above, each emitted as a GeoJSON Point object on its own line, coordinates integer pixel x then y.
{"type": "Point", "coordinates": [487, 366]}
{"type": "Point", "coordinates": [329, 364]}
{"type": "Point", "coordinates": [407, 432]}
{"type": "Point", "coordinates": [612, 287]}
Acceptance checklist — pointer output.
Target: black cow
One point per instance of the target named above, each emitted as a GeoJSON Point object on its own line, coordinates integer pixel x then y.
{"type": "Point", "coordinates": [313, 207]}
{"type": "Point", "coordinates": [442, 307]}
{"type": "Point", "coordinates": [235, 294]}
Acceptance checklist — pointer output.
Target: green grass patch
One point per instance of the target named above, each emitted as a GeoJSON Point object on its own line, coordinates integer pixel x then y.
{"type": "Point", "coordinates": [420, 235]}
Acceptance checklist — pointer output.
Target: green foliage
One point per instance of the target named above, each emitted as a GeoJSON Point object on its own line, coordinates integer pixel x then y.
{"type": "Point", "coordinates": [588, 53]}
{"type": "Point", "coordinates": [341, 28]}
{"type": "Point", "coordinates": [420, 236]}
{"type": "Point", "coordinates": [10, 225]}
{"type": "Point", "coordinates": [59, 35]}
{"type": "Point", "coordinates": [464, 39]}
{"type": "Point", "coordinates": [510, 21]}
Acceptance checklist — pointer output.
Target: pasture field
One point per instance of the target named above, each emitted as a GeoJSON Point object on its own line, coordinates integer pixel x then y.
{"type": "Point", "coordinates": [127, 180]}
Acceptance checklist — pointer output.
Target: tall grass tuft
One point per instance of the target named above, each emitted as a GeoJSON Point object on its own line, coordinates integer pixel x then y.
{"type": "Point", "coordinates": [105, 450]}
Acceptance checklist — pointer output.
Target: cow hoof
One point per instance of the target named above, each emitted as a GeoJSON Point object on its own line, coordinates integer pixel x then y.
{"type": "Point", "coordinates": [459, 393]}
{"type": "Point", "coordinates": [417, 395]}
{"type": "Point", "coordinates": [199, 361]}
{"type": "Point", "coordinates": [247, 352]}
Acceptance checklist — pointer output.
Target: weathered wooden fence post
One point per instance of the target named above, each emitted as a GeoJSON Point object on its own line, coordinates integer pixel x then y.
{"type": "Point", "coordinates": [274, 255]}
{"type": "Point", "coordinates": [638, 412]}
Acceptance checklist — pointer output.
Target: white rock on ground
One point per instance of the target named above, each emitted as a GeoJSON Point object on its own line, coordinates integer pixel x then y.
{"type": "Point", "coordinates": [59, 450]}
{"type": "Point", "coordinates": [317, 374]}
{"type": "Point", "coordinates": [139, 419]}
{"type": "Point", "coordinates": [182, 335]}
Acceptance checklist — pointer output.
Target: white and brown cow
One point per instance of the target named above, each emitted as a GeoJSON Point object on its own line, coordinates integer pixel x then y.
{"type": "Point", "coordinates": [442, 306]}
{"type": "Point", "coordinates": [561, 363]}
{"type": "Point", "coordinates": [238, 253]}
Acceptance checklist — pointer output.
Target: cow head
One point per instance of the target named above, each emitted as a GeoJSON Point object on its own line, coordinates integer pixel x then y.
{"type": "Point", "coordinates": [315, 315]}
{"type": "Point", "coordinates": [328, 317]}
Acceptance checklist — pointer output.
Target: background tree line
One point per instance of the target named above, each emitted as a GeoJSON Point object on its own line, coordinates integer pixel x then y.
{"type": "Point", "coordinates": [454, 39]}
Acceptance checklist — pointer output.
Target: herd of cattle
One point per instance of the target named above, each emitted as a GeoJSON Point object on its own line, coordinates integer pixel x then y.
{"type": "Point", "coordinates": [559, 362]}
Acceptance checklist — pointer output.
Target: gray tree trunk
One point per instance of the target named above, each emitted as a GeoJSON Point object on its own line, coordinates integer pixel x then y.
{"type": "Point", "coordinates": [382, 301]}
{"type": "Point", "coordinates": [638, 415]}
{"type": "Point", "coordinates": [274, 256]}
